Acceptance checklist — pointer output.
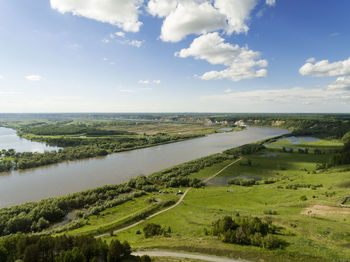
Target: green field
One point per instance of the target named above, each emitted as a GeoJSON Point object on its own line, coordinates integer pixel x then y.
{"type": "Point", "coordinates": [321, 235]}
{"type": "Point", "coordinates": [121, 215]}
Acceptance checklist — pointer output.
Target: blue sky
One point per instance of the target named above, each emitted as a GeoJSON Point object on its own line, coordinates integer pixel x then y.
{"type": "Point", "coordinates": [174, 56]}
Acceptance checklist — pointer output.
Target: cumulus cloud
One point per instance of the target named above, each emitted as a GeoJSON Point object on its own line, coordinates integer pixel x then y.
{"type": "Point", "coordinates": [33, 77]}
{"type": "Point", "coordinates": [161, 8]}
{"type": "Point", "coordinates": [241, 62]}
{"type": "Point", "coordinates": [342, 83]}
{"type": "Point", "coordinates": [324, 68]}
{"type": "Point", "coordinates": [121, 13]}
{"type": "Point", "coordinates": [156, 82]}
{"type": "Point", "coordinates": [184, 17]}
{"type": "Point", "coordinates": [191, 17]}
{"type": "Point", "coordinates": [271, 2]}
{"type": "Point", "coordinates": [237, 13]}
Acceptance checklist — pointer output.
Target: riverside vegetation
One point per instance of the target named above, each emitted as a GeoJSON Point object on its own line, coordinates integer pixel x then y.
{"type": "Point", "coordinates": [84, 138]}
{"type": "Point", "coordinates": [291, 211]}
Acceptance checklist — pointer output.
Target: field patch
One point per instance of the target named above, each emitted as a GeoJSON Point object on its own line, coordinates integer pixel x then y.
{"type": "Point", "coordinates": [326, 211]}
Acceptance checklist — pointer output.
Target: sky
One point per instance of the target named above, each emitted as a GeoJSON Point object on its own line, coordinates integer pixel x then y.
{"type": "Point", "coordinates": [175, 56]}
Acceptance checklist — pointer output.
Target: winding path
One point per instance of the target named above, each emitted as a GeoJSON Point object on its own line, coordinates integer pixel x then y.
{"type": "Point", "coordinates": [171, 207]}
{"type": "Point", "coordinates": [202, 257]}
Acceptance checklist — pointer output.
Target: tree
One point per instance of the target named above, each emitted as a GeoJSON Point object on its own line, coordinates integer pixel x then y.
{"type": "Point", "coordinates": [115, 251]}
{"type": "Point", "coordinates": [31, 253]}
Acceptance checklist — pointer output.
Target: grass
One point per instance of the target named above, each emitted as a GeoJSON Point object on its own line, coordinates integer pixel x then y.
{"type": "Point", "coordinates": [121, 215]}
{"type": "Point", "coordinates": [325, 144]}
{"type": "Point", "coordinates": [311, 237]}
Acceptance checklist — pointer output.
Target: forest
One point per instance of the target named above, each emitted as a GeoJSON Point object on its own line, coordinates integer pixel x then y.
{"type": "Point", "coordinates": [27, 248]}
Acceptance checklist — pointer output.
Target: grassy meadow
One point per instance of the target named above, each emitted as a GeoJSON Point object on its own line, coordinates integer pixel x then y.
{"type": "Point", "coordinates": [309, 215]}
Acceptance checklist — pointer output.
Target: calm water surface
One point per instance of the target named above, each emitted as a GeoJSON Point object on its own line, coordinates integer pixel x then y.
{"type": "Point", "coordinates": [31, 185]}
{"type": "Point", "coordinates": [9, 139]}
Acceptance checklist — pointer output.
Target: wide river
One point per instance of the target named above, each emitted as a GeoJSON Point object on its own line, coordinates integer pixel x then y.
{"type": "Point", "coordinates": [34, 184]}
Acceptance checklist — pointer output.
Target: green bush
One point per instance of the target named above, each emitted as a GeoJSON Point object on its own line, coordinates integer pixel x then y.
{"type": "Point", "coordinates": [303, 198]}
{"type": "Point", "coordinates": [152, 229]}
{"type": "Point", "coordinates": [247, 231]}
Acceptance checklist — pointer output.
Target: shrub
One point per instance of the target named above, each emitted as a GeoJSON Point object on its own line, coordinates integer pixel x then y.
{"type": "Point", "coordinates": [152, 229]}
{"type": "Point", "coordinates": [247, 231]}
{"type": "Point", "coordinates": [270, 212]}
{"type": "Point", "coordinates": [303, 198]}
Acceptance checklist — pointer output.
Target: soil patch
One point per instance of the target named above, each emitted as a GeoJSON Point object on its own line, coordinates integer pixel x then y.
{"type": "Point", "coordinates": [326, 211]}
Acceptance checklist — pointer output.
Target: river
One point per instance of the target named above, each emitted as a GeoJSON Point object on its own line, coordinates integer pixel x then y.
{"type": "Point", "coordinates": [19, 187]}
{"type": "Point", "coordinates": [10, 140]}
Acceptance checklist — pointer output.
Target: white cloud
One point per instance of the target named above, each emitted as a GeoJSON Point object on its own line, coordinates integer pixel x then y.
{"type": "Point", "coordinates": [135, 43]}
{"type": "Point", "coordinates": [120, 34]}
{"type": "Point", "coordinates": [33, 77]}
{"type": "Point", "coordinates": [114, 35]}
{"type": "Point", "coordinates": [184, 17]}
{"type": "Point", "coordinates": [121, 13]}
{"type": "Point", "coordinates": [191, 17]}
{"type": "Point", "coordinates": [161, 8]}
{"type": "Point", "coordinates": [228, 90]}
{"type": "Point", "coordinates": [146, 82]}
{"type": "Point", "coordinates": [1, 77]}
{"type": "Point", "coordinates": [311, 60]}
{"type": "Point", "coordinates": [271, 2]}
{"type": "Point", "coordinates": [237, 13]}
{"type": "Point", "coordinates": [342, 83]}
{"type": "Point", "coordinates": [324, 68]}
{"type": "Point", "coordinates": [240, 61]}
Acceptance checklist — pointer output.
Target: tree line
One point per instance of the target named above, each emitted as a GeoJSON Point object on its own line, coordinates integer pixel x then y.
{"type": "Point", "coordinates": [37, 216]}
{"type": "Point", "coordinates": [64, 249]}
